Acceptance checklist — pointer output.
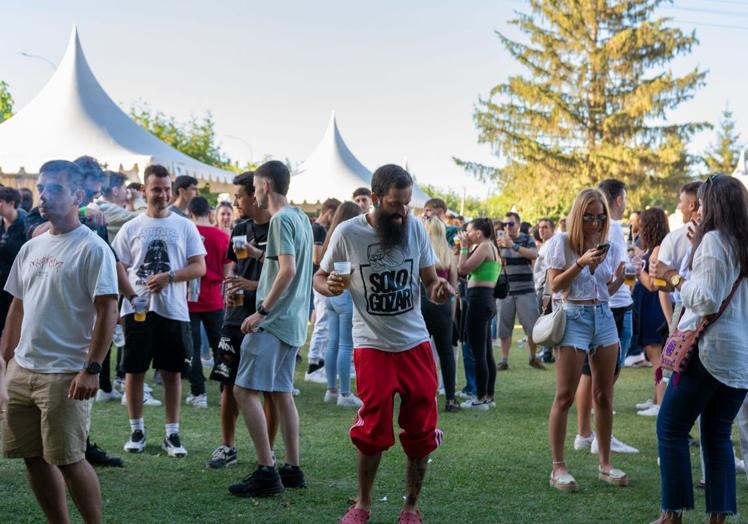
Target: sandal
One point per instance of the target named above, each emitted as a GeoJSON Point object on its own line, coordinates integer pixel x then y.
{"type": "Point", "coordinates": [564, 482]}
{"type": "Point", "coordinates": [614, 477]}
{"type": "Point", "coordinates": [355, 515]}
{"type": "Point", "coordinates": [409, 517]}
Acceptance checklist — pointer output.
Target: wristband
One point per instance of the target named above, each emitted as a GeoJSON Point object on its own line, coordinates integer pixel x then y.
{"type": "Point", "coordinates": [464, 251]}
{"type": "Point", "coordinates": [82, 212]}
{"type": "Point", "coordinates": [580, 266]}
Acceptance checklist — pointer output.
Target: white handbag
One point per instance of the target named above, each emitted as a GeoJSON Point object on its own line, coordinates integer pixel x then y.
{"type": "Point", "coordinates": [550, 327]}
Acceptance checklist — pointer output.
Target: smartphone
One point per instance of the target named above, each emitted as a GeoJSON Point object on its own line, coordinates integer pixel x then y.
{"type": "Point", "coordinates": [603, 247]}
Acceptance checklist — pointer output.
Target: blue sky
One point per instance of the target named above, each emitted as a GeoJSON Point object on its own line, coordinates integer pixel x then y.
{"type": "Point", "coordinates": [403, 77]}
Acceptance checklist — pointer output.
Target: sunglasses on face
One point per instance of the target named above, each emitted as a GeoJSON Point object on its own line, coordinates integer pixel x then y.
{"type": "Point", "coordinates": [508, 224]}
{"type": "Point", "coordinates": [589, 219]}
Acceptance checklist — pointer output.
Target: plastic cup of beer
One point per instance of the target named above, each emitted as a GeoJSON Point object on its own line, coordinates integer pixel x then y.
{"type": "Point", "coordinates": [343, 270]}
{"type": "Point", "coordinates": [140, 305]}
{"type": "Point", "coordinates": [629, 276]}
{"type": "Point", "coordinates": [240, 246]}
{"type": "Point", "coordinates": [236, 298]}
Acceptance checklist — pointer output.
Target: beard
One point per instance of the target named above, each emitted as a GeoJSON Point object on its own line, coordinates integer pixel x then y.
{"type": "Point", "coordinates": [392, 233]}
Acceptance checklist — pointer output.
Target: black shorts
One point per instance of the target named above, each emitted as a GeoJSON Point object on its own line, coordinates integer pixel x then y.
{"type": "Point", "coordinates": [618, 314]}
{"type": "Point", "coordinates": [231, 340]}
{"type": "Point", "coordinates": [165, 342]}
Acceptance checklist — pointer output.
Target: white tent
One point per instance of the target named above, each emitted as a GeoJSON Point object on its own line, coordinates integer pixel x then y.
{"type": "Point", "coordinates": [74, 116]}
{"type": "Point", "coordinates": [741, 170]}
{"type": "Point", "coordinates": [332, 171]}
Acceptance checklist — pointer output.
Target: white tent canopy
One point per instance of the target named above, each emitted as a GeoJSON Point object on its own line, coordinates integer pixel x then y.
{"type": "Point", "coordinates": [332, 171]}
{"type": "Point", "coordinates": [73, 116]}
{"type": "Point", "coordinates": [741, 170]}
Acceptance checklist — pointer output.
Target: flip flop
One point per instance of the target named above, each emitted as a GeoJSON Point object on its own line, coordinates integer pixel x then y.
{"type": "Point", "coordinates": [409, 517]}
{"type": "Point", "coordinates": [614, 477]}
{"type": "Point", "coordinates": [355, 516]}
{"type": "Point", "coordinates": [564, 482]}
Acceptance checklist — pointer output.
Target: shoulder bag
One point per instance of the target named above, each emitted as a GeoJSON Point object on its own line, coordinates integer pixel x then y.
{"type": "Point", "coordinates": [550, 327]}
{"type": "Point", "coordinates": [680, 345]}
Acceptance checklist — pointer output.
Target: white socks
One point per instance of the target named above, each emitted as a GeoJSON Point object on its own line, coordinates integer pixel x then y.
{"type": "Point", "coordinates": [172, 428]}
{"type": "Point", "coordinates": [137, 424]}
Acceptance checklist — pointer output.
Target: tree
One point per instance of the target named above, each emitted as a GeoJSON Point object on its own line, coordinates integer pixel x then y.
{"type": "Point", "coordinates": [722, 156]}
{"type": "Point", "coordinates": [196, 137]}
{"type": "Point", "coordinates": [591, 103]}
{"type": "Point", "coordinates": [6, 101]}
{"type": "Point", "coordinates": [474, 207]}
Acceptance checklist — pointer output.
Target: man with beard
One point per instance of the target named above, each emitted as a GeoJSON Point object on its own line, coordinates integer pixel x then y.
{"type": "Point", "coordinates": [390, 255]}
{"type": "Point", "coordinates": [275, 332]}
{"type": "Point", "coordinates": [58, 329]}
{"type": "Point", "coordinates": [161, 252]}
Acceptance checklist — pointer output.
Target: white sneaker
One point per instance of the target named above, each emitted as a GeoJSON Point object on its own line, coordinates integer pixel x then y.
{"type": "Point", "coordinates": [102, 396]}
{"type": "Point", "coordinates": [616, 446]}
{"type": "Point", "coordinates": [200, 401]}
{"type": "Point", "coordinates": [118, 338]}
{"type": "Point", "coordinates": [136, 444]}
{"type": "Point", "coordinates": [148, 400]}
{"type": "Point", "coordinates": [351, 401]}
{"type": "Point", "coordinates": [119, 384]}
{"type": "Point", "coordinates": [318, 376]}
{"type": "Point", "coordinates": [633, 360]}
{"type": "Point", "coordinates": [190, 399]}
{"type": "Point", "coordinates": [330, 397]}
{"type": "Point", "coordinates": [441, 392]}
{"type": "Point", "coordinates": [581, 442]}
{"type": "Point", "coordinates": [477, 405]}
{"type": "Point", "coordinates": [467, 404]}
{"type": "Point", "coordinates": [651, 411]}
{"type": "Point", "coordinates": [147, 388]}
{"type": "Point", "coordinates": [296, 392]}
{"type": "Point", "coordinates": [173, 446]}
{"type": "Point", "coordinates": [645, 405]}
{"type": "Point", "coordinates": [462, 395]}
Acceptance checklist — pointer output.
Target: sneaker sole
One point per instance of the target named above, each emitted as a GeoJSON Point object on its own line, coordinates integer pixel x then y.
{"type": "Point", "coordinates": [134, 450]}
{"type": "Point", "coordinates": [228, 464]}
{"type": "Point", "coordinates": [175, 455]}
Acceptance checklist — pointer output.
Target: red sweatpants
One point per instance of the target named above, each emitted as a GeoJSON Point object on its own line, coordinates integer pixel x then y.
{"type": "Point", "coordinates": [411, 374]}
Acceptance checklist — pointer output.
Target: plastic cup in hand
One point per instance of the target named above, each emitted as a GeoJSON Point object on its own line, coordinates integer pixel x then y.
{"type": "Point", "coordinates": [629, 275]}
{"type": "Point", "coordinates": [240, 246]}
{"type": "Point", "coordinates": [140, 305]}
{"type": "Point", "coordinates": [343, 270]}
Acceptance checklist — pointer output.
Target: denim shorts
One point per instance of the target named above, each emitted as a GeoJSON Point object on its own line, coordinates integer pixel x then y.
{"type": "Point", "coordinates": [589, 326]}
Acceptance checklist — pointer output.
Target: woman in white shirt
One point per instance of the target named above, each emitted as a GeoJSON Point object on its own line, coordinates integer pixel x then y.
{"type": "Point", "coordinates": [583, 269]}
{"type": "Point", "coordinates": [715, 383]}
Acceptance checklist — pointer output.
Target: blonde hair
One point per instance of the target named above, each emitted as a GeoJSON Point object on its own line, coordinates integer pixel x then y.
{"type": "Point", "coordinates": [437, 232]}
{"type": "Point", "coordinates": [575, 222]}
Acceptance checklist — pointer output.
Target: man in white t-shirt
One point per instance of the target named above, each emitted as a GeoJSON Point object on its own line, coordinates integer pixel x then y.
{"type": "Point", "coordinates": [58, 331]}
{"type": "Point", "coordinates": [676, 245]}
{"type": "Point", "coordinates": [621, 307]}
{"type": "Point", "coordinates": [161, 251]}
{"type": "Point", "coordinates": [390, 256]}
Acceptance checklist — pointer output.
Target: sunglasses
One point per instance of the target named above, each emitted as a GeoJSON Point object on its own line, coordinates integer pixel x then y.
{"type": "Point", "coordinates": [589, 219]}
{"type": "Point", "coordinates": [509, 224]}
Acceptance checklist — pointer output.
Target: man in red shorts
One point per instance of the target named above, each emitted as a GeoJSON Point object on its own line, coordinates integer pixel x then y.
{"type": "Point", "coordinates": [390, 255]}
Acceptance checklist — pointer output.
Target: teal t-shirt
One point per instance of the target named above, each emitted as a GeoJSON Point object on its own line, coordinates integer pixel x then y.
{"type": "Point", "coordinates": [290, 233]}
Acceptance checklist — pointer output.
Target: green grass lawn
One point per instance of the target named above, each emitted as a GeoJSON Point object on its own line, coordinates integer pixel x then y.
{"type": "Point", "coordinates": [493, 467]}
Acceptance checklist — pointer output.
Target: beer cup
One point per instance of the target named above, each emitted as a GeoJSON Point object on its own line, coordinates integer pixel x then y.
{"type": "Point", "coordinates": [240, 246]}
{"type": "Point", "coordinates": [343, 270]}
{"type": "Point", "coordinates": [140, 305]}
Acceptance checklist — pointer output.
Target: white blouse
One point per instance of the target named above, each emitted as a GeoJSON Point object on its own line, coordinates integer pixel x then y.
{"type": "Point", "coordinates": [586, 285]}
{"type": "Point", "coordinates": [723, 348]}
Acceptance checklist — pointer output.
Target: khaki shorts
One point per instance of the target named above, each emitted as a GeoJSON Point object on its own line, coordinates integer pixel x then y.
{"type": "Point", "coordinates": [41, 420]}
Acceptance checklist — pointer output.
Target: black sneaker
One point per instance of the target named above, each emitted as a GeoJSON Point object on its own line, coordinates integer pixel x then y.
{"type": "Point", "coordinates": [136, 444]}
{"type": "Point", "coordinates": [292, 476]}
{"type": "Point", "coordinates": [263, 482]}
{"type": "Point", "coordinates": [98, 457]}
{"type": "Point", "coordinates": [222, 457]}
{"type": "Point", "coordinates": [172, 444]}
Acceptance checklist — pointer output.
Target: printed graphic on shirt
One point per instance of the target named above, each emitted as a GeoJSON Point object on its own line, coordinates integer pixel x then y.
{"type": "Point", "coordinates": [156, 260]}
{"type": "Point", "coordinates": [46, 264]}
{"type": "Point", "coordinates": [387, 280]}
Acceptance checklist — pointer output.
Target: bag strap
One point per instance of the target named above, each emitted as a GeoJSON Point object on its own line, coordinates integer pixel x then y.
{"type": "Point", "coordinates": [726, 302]}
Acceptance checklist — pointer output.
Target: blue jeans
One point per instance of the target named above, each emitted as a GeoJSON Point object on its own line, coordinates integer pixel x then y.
{"type": "Point", "coordinates": [698, 393]}
{"type": "Point", "coordinates": [468, 362]}
{"type": "Point", "coordinates": [339, 341]}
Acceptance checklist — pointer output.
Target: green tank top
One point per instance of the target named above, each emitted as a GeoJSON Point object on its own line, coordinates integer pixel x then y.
{"type": "Point", "coordinates": [487, 271]}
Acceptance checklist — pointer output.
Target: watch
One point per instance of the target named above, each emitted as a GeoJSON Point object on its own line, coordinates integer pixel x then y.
{"type": "Point", "coordinates": [172, 275]}
{"type": "Point", "coordinates": [515, 247]}
{"type": "Point", "coordinates": [92, 368]}
{"type": "Point", "coordinates": [262, 311]}
{"type": "Point", "coordinates": [675, 280]}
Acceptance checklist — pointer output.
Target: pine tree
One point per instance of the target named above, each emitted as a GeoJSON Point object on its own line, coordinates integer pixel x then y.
{"type": "Point", "coordinates": [592, 103]}
{"type": "Point", "coordinates": [722, 156]}
{"type": "Point", "coordinates": [6, 102]}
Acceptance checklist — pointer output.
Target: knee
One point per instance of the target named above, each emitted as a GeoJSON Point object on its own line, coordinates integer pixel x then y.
{"type": "Point", "coordinates": [603, 399]}
{"type": "Point", "coordinates": [563, 401]}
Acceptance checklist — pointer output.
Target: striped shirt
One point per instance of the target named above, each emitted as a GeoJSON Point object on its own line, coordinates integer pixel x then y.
{"type": "Point", "coordinates": [518, 268]}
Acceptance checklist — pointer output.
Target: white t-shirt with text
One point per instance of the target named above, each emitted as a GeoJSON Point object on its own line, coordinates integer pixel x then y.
{"type": "Point", "coordinates": [147, 246]}
{"type": "Point", "coordinates": [58, 277]}
{"type": "Point", "coordinates": [385, 284]}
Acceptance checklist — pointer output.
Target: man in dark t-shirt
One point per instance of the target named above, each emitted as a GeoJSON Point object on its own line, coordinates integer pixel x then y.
{"type": "Point", "coordinates": [252, 230]}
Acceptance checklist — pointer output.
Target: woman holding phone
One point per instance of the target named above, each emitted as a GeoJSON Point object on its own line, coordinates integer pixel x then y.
{"type": "Point", "coordinates": [583, 270]}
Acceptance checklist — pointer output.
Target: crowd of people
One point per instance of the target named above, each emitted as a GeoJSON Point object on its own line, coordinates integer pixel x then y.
{"type": "Point", "coordinates": [107, 275]}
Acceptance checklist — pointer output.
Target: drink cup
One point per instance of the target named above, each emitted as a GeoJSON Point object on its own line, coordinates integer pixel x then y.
{"type": "Point", "coordinates": [140, 305]}
{"type": "Point", "coordinates": [237, 298]}
{"type": "Point", "coordinates": [629, 276]}
{"type": "Point", "coordinates": [240, 246]}
{"type": "Point", "coordinates": [343, 270]}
